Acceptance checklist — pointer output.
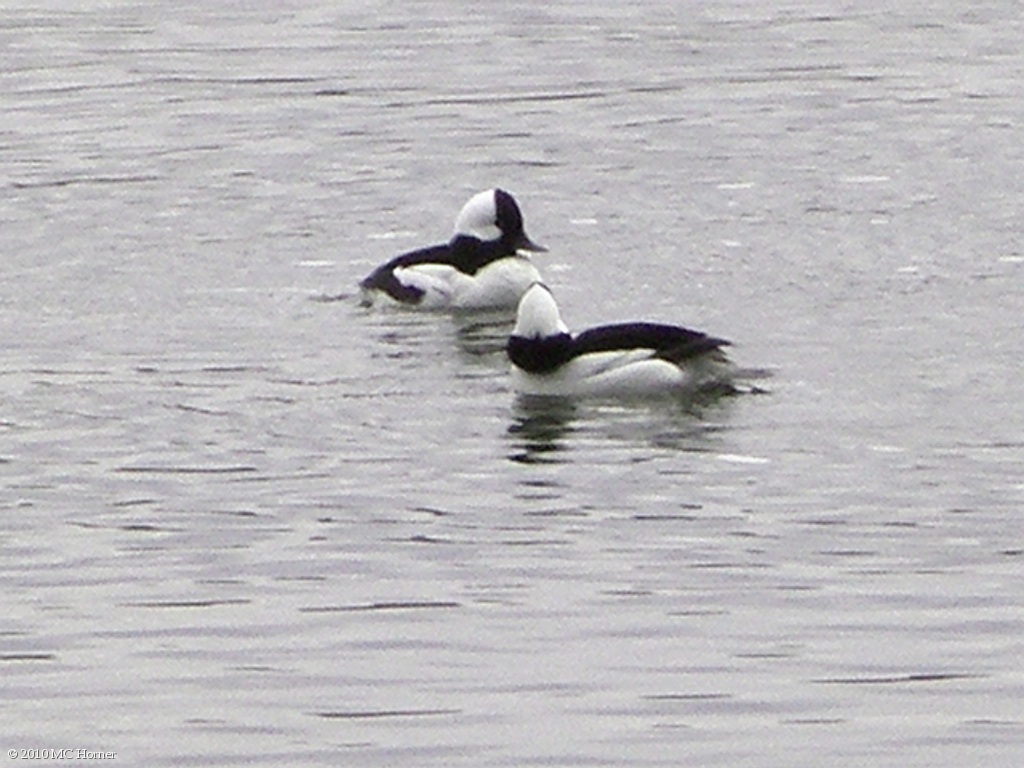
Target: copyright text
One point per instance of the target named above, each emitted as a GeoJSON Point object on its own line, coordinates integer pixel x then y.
{"type": "Point", "coordinates": [60, 754]}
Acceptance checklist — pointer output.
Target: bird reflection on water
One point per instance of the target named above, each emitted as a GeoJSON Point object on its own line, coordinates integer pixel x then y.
{"type": "Point", "coordinates": [483, 334]}
{"type": "Point", "coordinates": [546, 429]}
{"type": "Point", "coordinates": [539, 426]}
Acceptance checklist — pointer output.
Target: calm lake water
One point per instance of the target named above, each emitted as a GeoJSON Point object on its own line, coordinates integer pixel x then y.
{"type": "Point", "coordinates": [243, 521]}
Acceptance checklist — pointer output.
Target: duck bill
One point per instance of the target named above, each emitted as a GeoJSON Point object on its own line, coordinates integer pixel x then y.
{"type": "Point", "coordinates": [526, 244]}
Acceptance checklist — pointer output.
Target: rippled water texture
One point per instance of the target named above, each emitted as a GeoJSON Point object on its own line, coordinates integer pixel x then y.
{"type": "Point", "coordinates": [244, 521]}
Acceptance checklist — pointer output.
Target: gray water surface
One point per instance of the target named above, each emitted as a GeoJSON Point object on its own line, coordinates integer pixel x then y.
{"type": "Point", "coordinates": [243, 521]}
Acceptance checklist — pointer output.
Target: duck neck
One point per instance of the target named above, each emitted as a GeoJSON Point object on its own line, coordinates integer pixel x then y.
{"type": "Point", "coordinates": [470, 254]}
{"type": "Point", "coordinates": [540, 355]}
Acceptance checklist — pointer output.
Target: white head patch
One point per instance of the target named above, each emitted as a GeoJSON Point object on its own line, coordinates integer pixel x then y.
{"type": "Point", "coordinates": [479, 217]}
{"type": "Point", "coordinates": [537, 316]}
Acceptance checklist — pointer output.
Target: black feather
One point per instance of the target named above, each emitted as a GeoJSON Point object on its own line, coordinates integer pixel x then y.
{"type": "Point", "coordinates": [540, 355]}
{"type": "Point", "coordinates": [669, 342]}
{"type": "Point", "coordinates": [465, 253]}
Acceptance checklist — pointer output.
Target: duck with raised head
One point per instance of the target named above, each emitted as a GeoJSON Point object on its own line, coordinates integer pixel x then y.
{"type": "Point", "coordinates": [482, 267]}
{"type": "Point", "coordinates": [633, 359]}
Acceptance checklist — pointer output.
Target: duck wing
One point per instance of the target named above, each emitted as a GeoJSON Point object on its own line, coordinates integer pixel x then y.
{"type": "Point", "coordinates": [667, 342]}
{"type": "Point", "coordinates": [384, 279]}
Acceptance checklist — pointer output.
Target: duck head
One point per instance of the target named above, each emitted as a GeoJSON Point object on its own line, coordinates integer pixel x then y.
{"type": "Point", "coordinates": [537, 316]}
{"type": "Point", "coordinates": [494, 216]}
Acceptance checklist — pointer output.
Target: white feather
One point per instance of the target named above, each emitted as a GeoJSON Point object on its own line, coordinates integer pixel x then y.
{"type": "Point", "coordinates": [538, 315]}
{"type": "Point", "coordinates": [499, 284]}
{"type": "Point", "coordinates": [616, 373]}
{"type": "Point", "coordinates": [613, 374]}
{"type": "Point", "coordinates": [478, 217]}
